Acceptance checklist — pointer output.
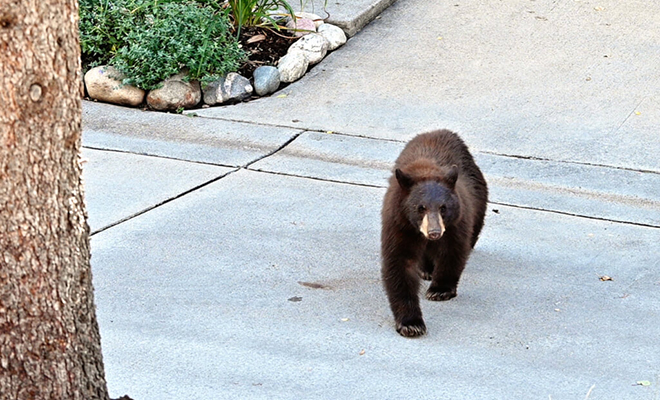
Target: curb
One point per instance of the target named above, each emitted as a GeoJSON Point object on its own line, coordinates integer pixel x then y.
{"type": "Point", "coordinates": [360, 14]}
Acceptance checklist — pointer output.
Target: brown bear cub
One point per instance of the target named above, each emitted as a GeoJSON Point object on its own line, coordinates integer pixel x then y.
{"type": "Point", "coordinates": [433, 212]}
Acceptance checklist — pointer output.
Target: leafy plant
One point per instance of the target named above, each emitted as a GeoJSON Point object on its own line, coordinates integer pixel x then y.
{"type": "Point", "coordinates": [256, 12]}
{"type": "Point", "coordinates": [102, 29]}
{"type": "Point", "coordinates": [151, 40]}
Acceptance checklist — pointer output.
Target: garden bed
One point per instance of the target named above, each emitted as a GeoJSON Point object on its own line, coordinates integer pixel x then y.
{"type": "Point", "coordinates": [174, 55]}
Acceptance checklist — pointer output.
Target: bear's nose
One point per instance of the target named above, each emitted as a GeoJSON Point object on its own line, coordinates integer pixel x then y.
{"type": "Point", "coordinates": [435, 234]}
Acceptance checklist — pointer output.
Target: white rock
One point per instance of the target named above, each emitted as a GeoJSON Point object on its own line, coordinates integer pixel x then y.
{"type": "Point", "coordinates": [313, 46]}
{"type": "Point", "coordinates": [333, 34]}
{"type": "Point", "coordinates": [104, 83]}
{"type": "Point", "coordinates": [292, 67]}
{"type": "Point", "coordinates": [175, 93]}
{"type": "Point", "coordinates": [318, 21]}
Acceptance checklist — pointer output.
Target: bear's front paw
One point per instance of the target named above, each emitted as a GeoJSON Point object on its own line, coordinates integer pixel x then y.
{"type": "Point", "coordinates": [440, 294]}
{"type": "Point", "coordinates": [411, 327]}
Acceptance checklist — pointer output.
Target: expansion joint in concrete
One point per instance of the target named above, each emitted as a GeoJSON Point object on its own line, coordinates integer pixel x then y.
{"type": "Point", "coordinates": [288, 142]}
{"type": "Point", "coordinates": [312, 178]}
{"type": "Point", "coordinates": [586, 164]}
{"type": "Point", "coordinates": [161, 156]}
{"type": "Point", "coordinates": [184, 193]}
{"type": "Point", "coordinates": [178, 196]}
{"type": "Point", "coordinates": [540, 209]}
{"type": "Point", "coordinates": [304, 129]}
{"type": "Point", "coordinates": [575, 215]}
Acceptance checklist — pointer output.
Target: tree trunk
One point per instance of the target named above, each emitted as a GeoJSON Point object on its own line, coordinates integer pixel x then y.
{"type": "Point", "coordinates": [50, 346]}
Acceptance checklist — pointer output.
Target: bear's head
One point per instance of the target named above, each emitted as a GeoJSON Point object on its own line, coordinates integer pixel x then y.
{"type": "Point", "coordinates": [430, 202]}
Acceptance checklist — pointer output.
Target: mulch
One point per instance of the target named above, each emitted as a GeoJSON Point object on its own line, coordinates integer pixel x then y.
{"type": "Point", "coordinates": [264, 47]}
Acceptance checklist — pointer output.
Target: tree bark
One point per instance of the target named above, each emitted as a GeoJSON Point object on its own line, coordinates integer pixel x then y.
{"type": "Point", "coordinates": [50, 346]}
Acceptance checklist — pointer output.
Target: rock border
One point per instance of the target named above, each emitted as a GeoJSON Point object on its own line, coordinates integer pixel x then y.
{"type": "Point", "coordinates": [317, 39]}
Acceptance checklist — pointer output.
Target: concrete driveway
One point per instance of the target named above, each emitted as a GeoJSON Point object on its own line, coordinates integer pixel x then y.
{"type": "Point", "coordinates": [236, 253]}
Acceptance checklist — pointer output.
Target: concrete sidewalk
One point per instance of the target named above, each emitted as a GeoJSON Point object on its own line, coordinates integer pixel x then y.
{"type": "Point", "coordinates": [236, 254]}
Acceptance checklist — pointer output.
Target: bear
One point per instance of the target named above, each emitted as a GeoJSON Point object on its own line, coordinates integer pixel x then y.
{"type": "Point", "coordinates": [432, 215]}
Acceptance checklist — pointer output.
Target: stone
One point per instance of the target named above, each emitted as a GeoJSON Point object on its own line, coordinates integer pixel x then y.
{"type": "Point", "coordinates": [318, 21]}
{"type": "Point", "coordinates": [313, 46]}
{"type": "Point", "coordinates": [175, 93]}
{"type": "Point", "coordinates": [292, 66]}
{"type": "Point", "coordinates": [333, 34]}
{"type": "Point", "coordinates": [104, 83]}
{"type": "Point", "coordinates": [302, 26]}
{"type": "Point", "coordinates": [266, 80]}
{"type": "Point", "coordinates": [230, 88]}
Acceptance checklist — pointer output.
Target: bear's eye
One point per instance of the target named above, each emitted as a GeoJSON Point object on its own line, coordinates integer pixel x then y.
{"type": "Point", "coordinates": [443, 209]}
{"type": "Point", "coordinates": [421, 209]}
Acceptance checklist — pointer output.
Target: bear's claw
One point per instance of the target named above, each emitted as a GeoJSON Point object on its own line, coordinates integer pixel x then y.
{"type": "Point", "coordinates": [412, 328]}
{"type": "Point", "coordinates": [440, 294]}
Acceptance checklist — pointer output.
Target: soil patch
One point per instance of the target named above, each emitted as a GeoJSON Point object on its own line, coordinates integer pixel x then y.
{"type": "Point", "coordinates": [263, 47]}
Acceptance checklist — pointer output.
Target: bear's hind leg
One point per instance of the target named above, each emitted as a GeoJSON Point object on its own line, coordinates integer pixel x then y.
{"type": "Point", "coordinates": [481, 204]}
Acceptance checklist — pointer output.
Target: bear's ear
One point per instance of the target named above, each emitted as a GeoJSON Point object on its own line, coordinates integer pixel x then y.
{"type": "Point", "coordinates": [451, 176]}
{"type": "Point", "coordinates": [405, 180]}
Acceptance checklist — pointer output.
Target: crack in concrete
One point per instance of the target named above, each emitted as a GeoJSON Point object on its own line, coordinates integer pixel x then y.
{"type": "Point", "coordinates": [615, 130]}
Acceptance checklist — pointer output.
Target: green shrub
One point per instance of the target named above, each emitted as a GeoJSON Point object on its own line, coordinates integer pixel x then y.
{"type": "Point", "coordinates": [102, 31]}
{"type": "Point", "coordinates": [151, 40]}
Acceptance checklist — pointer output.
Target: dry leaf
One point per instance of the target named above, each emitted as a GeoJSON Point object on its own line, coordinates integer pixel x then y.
{"type": "Point", "coordinates": [605, 278]}
{"type": "Point", "coordinates": [313, 285]}
{"type": "Point", "coordinates": [256, 38]}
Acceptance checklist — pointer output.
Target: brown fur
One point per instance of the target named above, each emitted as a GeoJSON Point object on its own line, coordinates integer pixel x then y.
{"type": "Point", "coordinates": [435, 175]}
